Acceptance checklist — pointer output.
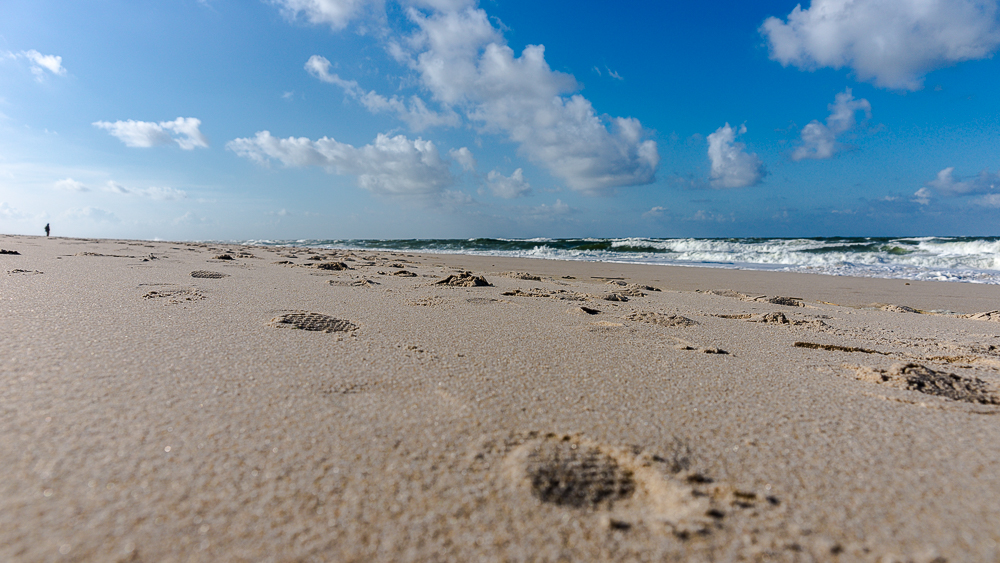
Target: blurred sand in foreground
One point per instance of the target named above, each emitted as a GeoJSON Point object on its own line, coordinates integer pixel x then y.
{"type": "Point", "coordinates": [196, 402]}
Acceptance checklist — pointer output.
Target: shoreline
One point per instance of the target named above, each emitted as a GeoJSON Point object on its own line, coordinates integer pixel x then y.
{"type": "Point", "coordinates": [162, 402]}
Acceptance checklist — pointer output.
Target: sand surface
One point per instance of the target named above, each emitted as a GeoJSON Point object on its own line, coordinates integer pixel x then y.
{"type": "Point", "coordinates": [193, 402]}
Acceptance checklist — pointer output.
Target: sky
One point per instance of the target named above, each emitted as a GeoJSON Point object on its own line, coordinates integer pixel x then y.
{"type": "Point", "coordinates": [333, 119]}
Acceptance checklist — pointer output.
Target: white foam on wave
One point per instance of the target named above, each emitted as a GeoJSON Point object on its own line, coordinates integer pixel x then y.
{"type": "Point", "coordinates": [916, 258]}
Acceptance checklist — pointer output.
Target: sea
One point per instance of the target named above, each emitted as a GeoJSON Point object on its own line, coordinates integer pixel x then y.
{"type": "Point", "coordinates": [954, 259]}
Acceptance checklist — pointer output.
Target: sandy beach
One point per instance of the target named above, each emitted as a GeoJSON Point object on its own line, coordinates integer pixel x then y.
{"type": "Point", "coordinates": [205, 402]}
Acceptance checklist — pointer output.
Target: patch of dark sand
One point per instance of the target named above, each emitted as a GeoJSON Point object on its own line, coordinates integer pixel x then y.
{"type": "Point", "coordinates": [915, 377]}
{"type": "Point", "coordinates": [836, 348]}
{"type": "Point", "coordinates": [316, 322]}
{"type": "Point", "coordinates": [334, 266]}
{"type": "Point", "coordinates": [628, 484]}
{"type": "Point", "coordinates": [205, 274]}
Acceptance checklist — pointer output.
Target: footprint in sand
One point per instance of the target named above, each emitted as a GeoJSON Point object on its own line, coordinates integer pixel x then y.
{"type": "Point", "coordinates": [915, 377]}
{"type": "Point", "coordinates": [628, 484]}
{"type": "Point", "coordinates": [205, 274]}
{"type": "Point", "coordinates": [660, 319]}
{"type": "Point", "coordinates": [175, 296]}
{"type": "Point", "coordinates": [316, 322]}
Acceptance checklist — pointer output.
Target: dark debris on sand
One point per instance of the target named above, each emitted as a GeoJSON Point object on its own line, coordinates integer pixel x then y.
{"type": "Point", "coordinates": [464, 279]}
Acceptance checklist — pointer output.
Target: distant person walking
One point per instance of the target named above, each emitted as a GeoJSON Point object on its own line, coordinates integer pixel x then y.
{"type": "Point", "coordinates": [47, 229]}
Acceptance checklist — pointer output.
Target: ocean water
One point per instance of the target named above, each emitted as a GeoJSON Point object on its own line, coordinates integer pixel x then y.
{"type": "Point", "coordinates": [958, 259]}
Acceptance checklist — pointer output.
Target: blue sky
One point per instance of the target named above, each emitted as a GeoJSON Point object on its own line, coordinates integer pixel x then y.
{"type": "Point", "coordinates": [246, 119]}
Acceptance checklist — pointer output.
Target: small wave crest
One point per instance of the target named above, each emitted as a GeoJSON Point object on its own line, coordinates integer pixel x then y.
{"type": "Point", "coordinates": [964, 259]}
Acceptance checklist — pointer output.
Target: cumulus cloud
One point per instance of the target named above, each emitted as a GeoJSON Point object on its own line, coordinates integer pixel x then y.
{"type": "Point", "coordinates": [464, 157]}
{"type": "Point", "coordinates": [947, 185]}
{"type": "Point", "coordinates": [390, 165]}
{"type": "Point", "coordinates": [508, 187]}
{"type": "Point", "coordinates": [153, 192]}
{"type": "Point", "coordinates": [150, 134]}
{"type": "Point", "coordinates": [71, 185]}
{"type": "Point", "coordinates": [464, 63]}
{"type": "Point", "coordinates": [892, 43]}
{"type": "Point", "coordinates": [732, 166]}
{"type": "Point", "coordinates": [819, 141]}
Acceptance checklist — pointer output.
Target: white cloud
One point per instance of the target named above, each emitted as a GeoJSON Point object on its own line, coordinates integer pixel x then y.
{"type": "Point", "coordinates": [655, 212]}
{"type": "Point", "coordinates": [892, 43]}
{"type": "Point", "coordinates": [319, 66]}
{"type": "Point", "coordinates": [150, 134]}
{"type": "Point", "coordinates": [819, 141]}
{"type": "Point", "coordinates": [508, 187]}
{"type": "Point", "coordinates": [991, 200]}
{"type": "Point", "coordinates": [732, 166]}
{"type": "Point", "coordinates": [161, 194]}
{"type": "Point", "coordinates": [390, 165]}
{"type": "Point", "coordinates": [335, 13]}
{"type": "Point", "coordinates": [115, 187]}
{"type": "Point", "coordinates": [464, 63]}
{"type": "Point", "coordinates": [71, 185]}
{"type": "Point", "coordinates": [39, 63]}
{"type": "Point", "coordinates": [464, 157]}
{"type": "Point", "coordinates": [188, 129]}
{"type": "Point", "coordinates": [416, 114]}
{"type": "Point", "coordinates": [921, 196]}
{"type": "Point", "coordinates": [945, 183]}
